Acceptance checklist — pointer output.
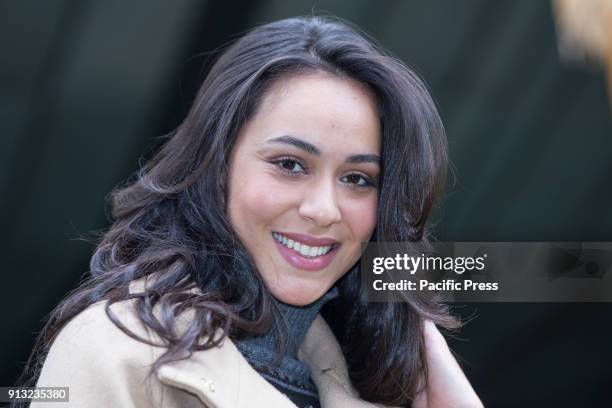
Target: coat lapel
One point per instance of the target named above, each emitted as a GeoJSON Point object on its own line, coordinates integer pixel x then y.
{"type": "Point", "coordinates": [329, 371]}
{"type": "Point", "coordinates": [221, 377]}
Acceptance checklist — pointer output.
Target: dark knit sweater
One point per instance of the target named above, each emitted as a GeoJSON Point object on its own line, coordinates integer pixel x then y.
{"type": "Point", "coordinates": [284, 371]}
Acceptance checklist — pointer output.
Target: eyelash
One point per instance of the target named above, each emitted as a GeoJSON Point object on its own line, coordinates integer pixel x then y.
{"type": "Point", "coordinates": [278, 163]}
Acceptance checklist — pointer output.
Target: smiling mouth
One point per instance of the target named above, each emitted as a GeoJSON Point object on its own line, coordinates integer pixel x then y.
{"type": "Point", "coordinates": [303, 249]}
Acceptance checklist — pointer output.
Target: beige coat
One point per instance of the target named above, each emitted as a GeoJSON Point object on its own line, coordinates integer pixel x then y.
{"type": "Point", "coordinates": [103, 367]}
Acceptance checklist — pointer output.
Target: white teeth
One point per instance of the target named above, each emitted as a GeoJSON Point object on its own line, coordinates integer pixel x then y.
{"type": "Point", "coordinates": [303, 249]}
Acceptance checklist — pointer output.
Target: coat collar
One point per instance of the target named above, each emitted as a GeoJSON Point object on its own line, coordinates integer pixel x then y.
{"type": "Point", "coordinates": [221, 377]}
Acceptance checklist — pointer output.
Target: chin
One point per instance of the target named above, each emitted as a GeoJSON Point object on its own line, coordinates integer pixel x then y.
{"type": "Point", "coordinates": [297, 299]}
{"type": "Point", "coordinates": [297, 296]}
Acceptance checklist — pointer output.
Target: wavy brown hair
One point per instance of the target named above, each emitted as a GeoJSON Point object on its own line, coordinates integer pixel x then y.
{"type": "Point", "coordinates": [171, 220]}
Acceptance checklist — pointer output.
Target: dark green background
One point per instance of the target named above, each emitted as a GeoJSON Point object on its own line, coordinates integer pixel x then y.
{"type": "Point", "coordinates": [87, 86]}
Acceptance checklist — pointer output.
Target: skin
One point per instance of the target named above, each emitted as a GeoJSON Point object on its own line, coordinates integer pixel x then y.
{"type": "Point", "coordinates": [447, 385]}
{"type": "Point", "coordinates": [277, 186]}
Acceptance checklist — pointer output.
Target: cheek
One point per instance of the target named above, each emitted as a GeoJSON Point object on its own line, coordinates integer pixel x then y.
{"type": "Point", "coordinates": [255, 200]}
{"type": "Point", "coordinates": [361, 218]}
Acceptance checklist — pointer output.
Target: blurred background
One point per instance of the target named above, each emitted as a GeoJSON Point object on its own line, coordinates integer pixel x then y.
{"type": "Point", "coordinates": [88, 86]}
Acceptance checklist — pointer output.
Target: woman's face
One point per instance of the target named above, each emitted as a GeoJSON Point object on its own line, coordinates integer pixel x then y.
{"type": "Point", "coordinates": [303, 180]}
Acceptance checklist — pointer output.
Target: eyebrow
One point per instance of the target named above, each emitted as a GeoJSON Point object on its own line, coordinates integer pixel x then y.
{"type": "Point", "coordinates": [312, 149]}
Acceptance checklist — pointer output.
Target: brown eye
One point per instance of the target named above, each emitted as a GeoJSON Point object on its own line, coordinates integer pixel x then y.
{"type": "Point", "coordinates": [357, 180]}
{"type": "Point", "coordinates": [290, 166]}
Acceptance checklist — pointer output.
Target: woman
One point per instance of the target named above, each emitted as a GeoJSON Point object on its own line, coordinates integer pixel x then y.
{"type": "Point", "coordinates": [304, 141]}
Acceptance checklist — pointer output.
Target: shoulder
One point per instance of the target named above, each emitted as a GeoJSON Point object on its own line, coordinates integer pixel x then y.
{"type": "Point", "coordinates": [98, 361]}
{"type": "Point", "coordinates": [93, 330]}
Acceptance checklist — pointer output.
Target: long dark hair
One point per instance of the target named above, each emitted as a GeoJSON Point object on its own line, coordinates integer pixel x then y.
{"type": "Point", "coordinates": [170, 220]}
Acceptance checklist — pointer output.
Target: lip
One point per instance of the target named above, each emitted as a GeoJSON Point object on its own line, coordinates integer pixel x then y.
{"type": "Point", "coordinates": [299, 261]}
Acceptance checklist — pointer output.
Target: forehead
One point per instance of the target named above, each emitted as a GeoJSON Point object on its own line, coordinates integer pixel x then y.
{"type": "Point", "coordinates": [334, 112]}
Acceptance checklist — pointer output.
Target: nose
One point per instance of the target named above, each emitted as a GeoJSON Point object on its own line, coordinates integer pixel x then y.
{"type": "Point", "coordinates": [320, 205]}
